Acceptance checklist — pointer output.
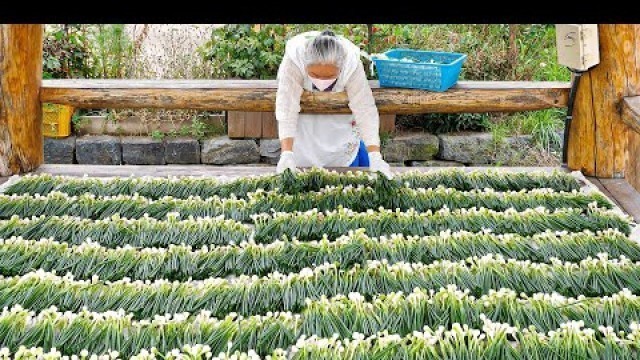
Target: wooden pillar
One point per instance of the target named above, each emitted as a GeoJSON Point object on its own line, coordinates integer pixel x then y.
{"type": "Point", "coordinates": [631, 116]}
{"type": "Point", "coordinates": [20, 108]}
{"type": "Point", "coordinates": [599, 139]}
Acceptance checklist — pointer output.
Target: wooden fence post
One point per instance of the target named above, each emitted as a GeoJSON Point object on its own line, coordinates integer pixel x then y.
{"type": "Point", "coordinates": [633, 140]}
{"type": "Point", "coordinates": [599, 139]}
{"type": "Point", "coordinates": [20, 107]}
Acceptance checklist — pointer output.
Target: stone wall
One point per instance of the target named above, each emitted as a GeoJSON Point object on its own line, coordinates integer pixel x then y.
{"type": "Point", "coordinates": [140, 150]}
{"type": "Point", "coordinates": [414, 149]}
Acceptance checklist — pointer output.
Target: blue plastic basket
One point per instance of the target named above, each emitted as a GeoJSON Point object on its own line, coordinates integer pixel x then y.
{"type": "Point", "coordinates": [430, 70]}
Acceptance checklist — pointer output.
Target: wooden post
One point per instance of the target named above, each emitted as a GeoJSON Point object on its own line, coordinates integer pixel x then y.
{"type": "Point", "coordinates": [633, 140]}
{"type": "Point", "coordinates": [599, 138]}
{"type": "Point", "coordinates": [631, 117]}
{"type": "Point", "coordinates": [20, 107]}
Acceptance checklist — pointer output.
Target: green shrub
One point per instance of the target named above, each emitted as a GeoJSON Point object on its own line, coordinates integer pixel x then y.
{"type": "Point", "coordinates": [240, 51]}
{"type": "Point", "coordinates": [66, 52]}
{"type": "Point", "coordinates": [111, 50]}
{"type": "Point", "coordinates": [443, 123]}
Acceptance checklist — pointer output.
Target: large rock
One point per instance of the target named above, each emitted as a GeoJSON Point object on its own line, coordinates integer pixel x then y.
{"type": "Point", "coordinates": [514, 150]}
{"type": "Point", "coordinates": [422, 146]}
{"type": "Point", "coordinates": [139, 150]}
{"type": "Point", "coordinates": [59, 151]}
{"type": "Point", "coordinates": [482, 149]}
{"type": "Point", "coordinates": [270, 151]}
{"type": "Point", "coordinates": [224, 151]}
{"type": "Point", "coordinates": [99, 150]}
{"type": "Point", "coordinates": [182, 151]}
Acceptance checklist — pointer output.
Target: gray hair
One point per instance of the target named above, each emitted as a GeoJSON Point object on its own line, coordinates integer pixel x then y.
{"type": "Point", "coordinates": [325, 48]}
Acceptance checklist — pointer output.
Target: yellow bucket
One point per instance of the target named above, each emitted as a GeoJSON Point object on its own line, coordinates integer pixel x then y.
{"type": "Point", "coordinates": [56, 120]}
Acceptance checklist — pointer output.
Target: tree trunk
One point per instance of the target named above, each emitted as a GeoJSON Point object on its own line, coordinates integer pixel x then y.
{"type": "Point", "coordinates": [20, 108]}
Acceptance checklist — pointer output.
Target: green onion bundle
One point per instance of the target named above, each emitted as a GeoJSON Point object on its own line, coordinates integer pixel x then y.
{"type": "Point", "coordinates": [277, 292]}
{"type": "Point", "coordinates": [133, 207]}
{"type": "Point", "coordinates": [364, 198]}
{"type": "Point", "coordinates": [495, 341]}
{"type": "Point", "coordinates": [314, 224]}
{"type": "Point", "coordinates": [73, 333]}
{"type": "Point", "coordinates": [188, 351]}
{"type": "Point", "coordinates": [404, 313]}
{"type": "Point", "coordinates": [304, 181]}
{"type": "Point", "coordinates": [19, 256]}
{"type": "Point", "coordinates": [115, 231]}
{"type": "Point", "coordinates": [357, 199]}
{"type": "Point", "coordinates": [100, 332]}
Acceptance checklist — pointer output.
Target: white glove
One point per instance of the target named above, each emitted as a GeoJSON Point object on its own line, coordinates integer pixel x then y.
{"type": "Point", "coordinates": [376, 163]}
{"type": "Point", "coordinates": [286, 162]}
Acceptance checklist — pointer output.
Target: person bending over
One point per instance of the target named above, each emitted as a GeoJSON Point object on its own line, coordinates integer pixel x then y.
{"type": "Point", "coordinates": [322, 61]}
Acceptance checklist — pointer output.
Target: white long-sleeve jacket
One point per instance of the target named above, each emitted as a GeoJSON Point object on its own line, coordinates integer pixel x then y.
{"type": "Point", "coordinates": [292, 77]}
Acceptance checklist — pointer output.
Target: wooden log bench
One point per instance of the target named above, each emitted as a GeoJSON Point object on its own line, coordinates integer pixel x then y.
{"type": "Point", "coordinates": [250, 103]}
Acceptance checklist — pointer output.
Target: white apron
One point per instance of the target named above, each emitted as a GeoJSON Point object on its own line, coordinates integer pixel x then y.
{"type": "Point", "coordinates": [325, 140]}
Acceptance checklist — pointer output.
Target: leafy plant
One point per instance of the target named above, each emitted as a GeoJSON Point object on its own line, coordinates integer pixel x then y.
{"type": "Point", "coordinates": [66, 52]}
{"type": "Point", "coordinates": [443, 123]}
{"type": "Point", "coordinates": [78, 120]}
{"type": "Point", "coordinates": [111, 50]}
{"type": "Point", "coordinates": [543, 127]}
{"type": "Point", "coordinates": [241, 51]}
{"type": "Point", "coordinates": [158, 135]}
{"type": "Point", "coordinates": [199, 127]}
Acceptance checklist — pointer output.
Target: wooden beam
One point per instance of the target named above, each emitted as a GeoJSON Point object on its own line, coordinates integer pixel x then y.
{"type": "Point", "coordinates": [21, 143]}
{"type": "Point", "coordinates": [266, 84]}
{"type": "Point", "coordinates": [259, 95]}
{"type": "Point", "coordinates": [631, 112]}
{"type": "Point", "coordinates": [625, 195]}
